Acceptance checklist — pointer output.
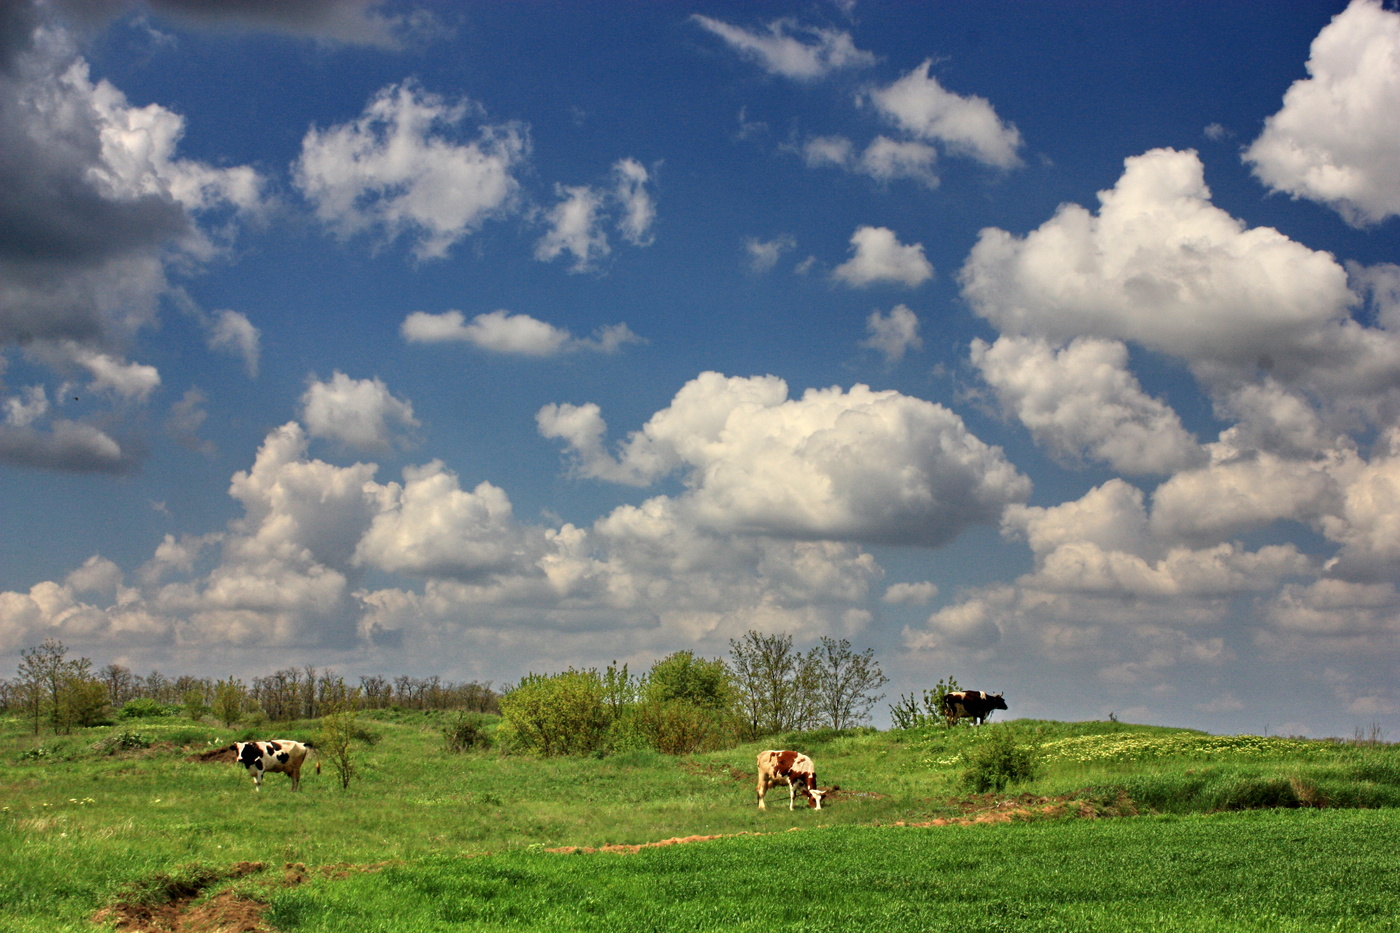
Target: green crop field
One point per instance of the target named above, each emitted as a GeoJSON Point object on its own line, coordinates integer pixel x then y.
{"type": "Point", "coordinates": [1121, 828]}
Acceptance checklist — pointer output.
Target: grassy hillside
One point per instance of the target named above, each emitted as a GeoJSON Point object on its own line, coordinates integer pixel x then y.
{"type": "Point", "coordinates": [132, 815]}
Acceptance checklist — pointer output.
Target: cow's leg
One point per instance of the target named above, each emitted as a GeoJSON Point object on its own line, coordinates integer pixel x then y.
{"type": "Point", "coordinates": [792, 795]}
{"type": "Point", "coordinates": [762, 790]}
{"type": "Point", "coordinates": [257, 773]}
{"type": "Point", "coordinates": [294, 772]}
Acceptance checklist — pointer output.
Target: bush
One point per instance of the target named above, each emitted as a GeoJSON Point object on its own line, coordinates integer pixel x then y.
{"type": "Point", "coordinates": [998, 761]}
{"type": "Point", "coordinates": [911, 713]}
{"type": "Point", "coordinates": [142, 708]}
{"type": "Point", "coordinates": [672, 727]}
{"type": "Point", "coordinates": [466, 733]}
{"type": "Point", "coordinates": [559, 714]}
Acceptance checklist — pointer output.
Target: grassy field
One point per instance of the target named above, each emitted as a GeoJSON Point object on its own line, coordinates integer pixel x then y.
{"type": "Point", "coordinates": [1238, 833]}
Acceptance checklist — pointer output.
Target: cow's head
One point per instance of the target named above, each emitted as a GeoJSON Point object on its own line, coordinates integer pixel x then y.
{"type": "Point", "coordinates": [247, 754]}
{"type": "Point", "coordinates": [815, 796]}
{"type": "Point", "coordinates": [996, 701]}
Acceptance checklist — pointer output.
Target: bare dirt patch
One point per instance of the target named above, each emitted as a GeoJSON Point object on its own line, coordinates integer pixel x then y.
{"type": "Point", "coordinates": [989, 808]}
{"type": "Point", "coordinates": [224, 754]}
{"type": "Point", "coordinates": [175, 904]}
{"type": "Point", "coordinates": [634, 848]}
{"type": "Point", "coordinates": [165, 904]}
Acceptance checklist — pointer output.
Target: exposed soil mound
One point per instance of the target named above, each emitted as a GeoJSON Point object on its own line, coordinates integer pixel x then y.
{"type": "Point", "coordinates": [164, 904]}
{"type": "Point", "coordinates": [224, 754]}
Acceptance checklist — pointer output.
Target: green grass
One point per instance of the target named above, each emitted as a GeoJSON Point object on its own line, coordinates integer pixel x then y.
{"type": "Point", "coordinates": [87, 819]}
{"type": "Point", "coordinates": [1276, 872]}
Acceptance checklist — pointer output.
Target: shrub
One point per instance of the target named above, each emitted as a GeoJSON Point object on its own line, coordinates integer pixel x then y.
{"type": "Point", "coordinates": [672, 727]}
{"type": "Point", "coordinates": [998, 761]}
{"type": "Point", "coordinates": [142, 708]}
{"type": "Point", "coordinates": [558, 714]}
{"type": "Point", "coordinates": [910, 713]}
{"type": "Point", "coordinates": [465, 733]}
{"type": "Point", "coordinates": [335, 742]}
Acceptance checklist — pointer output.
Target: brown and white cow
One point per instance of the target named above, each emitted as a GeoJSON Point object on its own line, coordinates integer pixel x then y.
{"type": "Point", "coordinates": [976, 704]}
{"type": "Point", "coordinates": [273, 756]}
{"type": "Point", "coordinates": [775, 767]}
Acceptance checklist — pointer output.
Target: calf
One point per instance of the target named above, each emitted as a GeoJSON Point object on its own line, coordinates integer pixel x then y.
{"type": "Point", "coordinates": [775, 767]}
{"type": "Point", "coordinates": [976, 704]}
{"type": "Point", "coordinates": [274, 755]}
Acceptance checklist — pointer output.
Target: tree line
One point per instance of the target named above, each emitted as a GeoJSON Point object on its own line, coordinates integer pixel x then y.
{"type": "Point", "coordinates": [61, 693]}
{"type": "Point", "coordinates": [682, 703]}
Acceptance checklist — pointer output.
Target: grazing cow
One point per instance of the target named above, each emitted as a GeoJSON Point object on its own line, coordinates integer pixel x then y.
{"type": "Point", "coordinates": [775, 767]}
{"type": "Point", "coordinates": [274, 755]}
{"type": "Point", "coordinates": [974, 703]}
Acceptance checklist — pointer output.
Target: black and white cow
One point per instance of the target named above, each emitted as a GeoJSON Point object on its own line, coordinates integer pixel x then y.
{"type": "Point", "coordinates": [972, 703]}
{"type": "Point", "coordinates": [273, 756]}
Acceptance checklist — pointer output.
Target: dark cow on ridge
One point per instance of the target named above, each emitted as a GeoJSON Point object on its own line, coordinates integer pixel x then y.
{"type": "Point", "coordinates": [273, 756]}
{"type": "Point", "coordinates": [794, 768]}
{"type": "Point", "coordinates": [976, 704]}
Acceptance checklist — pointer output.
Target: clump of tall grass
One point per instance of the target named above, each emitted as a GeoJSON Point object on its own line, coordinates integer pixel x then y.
{"type": "Point", "coordinates": [466, 732]}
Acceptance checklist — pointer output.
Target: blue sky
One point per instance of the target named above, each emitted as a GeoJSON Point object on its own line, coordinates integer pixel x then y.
{"type": "Point", "coordinates": [1054, 347]}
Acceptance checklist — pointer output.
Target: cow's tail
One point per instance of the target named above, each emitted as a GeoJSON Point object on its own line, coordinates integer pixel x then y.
{"type": "Point", "coordinates": [314, 752]}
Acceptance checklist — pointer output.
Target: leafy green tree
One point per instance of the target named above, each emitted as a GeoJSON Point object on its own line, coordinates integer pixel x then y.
{"type": "Point", "coordinates": [845, 682]}
{"type": "Point", "coordinates": [682, 676]}
{"type": "Point", "coordinates": [195, 706]}
{"type": "Point", "coordinates": [83, 699]}
{"type": "Point", "coordinates": [775, 686]}
{"type": "Point", "coordinates": [51, 683]}
{"type": "Point", "coordinates": [229, 697]}
{"type": "Point", "coordinates": [335, 741]}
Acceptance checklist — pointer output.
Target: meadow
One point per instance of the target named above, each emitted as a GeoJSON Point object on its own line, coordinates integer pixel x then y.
{"type": "Point", "coordinates": [1123, 828]}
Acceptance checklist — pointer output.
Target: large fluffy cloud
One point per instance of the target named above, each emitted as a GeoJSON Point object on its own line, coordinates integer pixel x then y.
{"type": "Point", "coordinates": [399, 170]}
{"type": "Point", "coordinates": [1162, 267]}
{"type": "Point", "coordinates": [1337, 138]}
{"type": "Point", "coordinates": [1082, 401]}
{"type": "Point", "coordinates": [839, 465]}
{"type": "Point", "coordinates": [290, 572]}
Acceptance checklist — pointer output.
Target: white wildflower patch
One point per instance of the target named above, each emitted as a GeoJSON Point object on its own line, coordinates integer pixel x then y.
{"type": "Point", "coordinates": [1148, 746]}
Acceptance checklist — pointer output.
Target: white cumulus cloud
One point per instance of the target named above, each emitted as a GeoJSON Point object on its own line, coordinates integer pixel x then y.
{"type": "Point", "coordinates": [854, 465]}
{"type": "Point", "coordinates": [1337, 138]}
{"type": "Point", "coordinates": [893, 334]}
{"type": "Point", "coordinates": [1083, 401]}
{"type": "Point", "coordinates": [880, 258]}
{"type": "Point", "coordinates": [399, 169]}
{"type": "Point", "coordinates": [969, 126]}
{"type": "Point", "coordinates": [359, 413]}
